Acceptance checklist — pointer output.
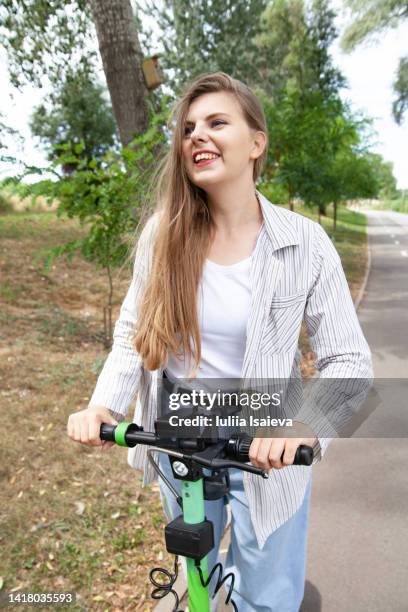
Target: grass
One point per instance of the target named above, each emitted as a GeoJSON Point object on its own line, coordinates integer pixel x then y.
{"type": "Point", "coordinates": [399, 205]}
{"type": "Point", "coordinates": [73, 518]}
{"type": "Point", "coordinates": [25, 198]}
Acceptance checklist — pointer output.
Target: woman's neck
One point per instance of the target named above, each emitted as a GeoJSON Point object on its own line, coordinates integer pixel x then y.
{"type": "Point", "coordinates": [233, 211]}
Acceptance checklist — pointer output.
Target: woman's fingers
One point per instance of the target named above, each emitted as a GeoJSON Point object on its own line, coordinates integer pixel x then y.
{"type": "Point", "coordinates": [290, 450]}
{"type": "Point", "coordinates": [262, 458]}
{"type": "Point", "coordinates": [253, 451]}
{"type": "Point", "coordinates": [95, 432]}
{"type": "Point", "coordinates": [275, 452]}
{"type": "Point", "coordinates": [85, 426]}
{"type": "Point", "coordinates": [265, 453]}
{"type": "Point", "coordinates": [77, 429]}
{"type": "Point", "coordinates": [84, 431]}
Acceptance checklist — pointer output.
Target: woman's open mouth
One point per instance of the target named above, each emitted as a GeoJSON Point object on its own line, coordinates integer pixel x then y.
{"type": "Point", "coordinates": [206, 161]}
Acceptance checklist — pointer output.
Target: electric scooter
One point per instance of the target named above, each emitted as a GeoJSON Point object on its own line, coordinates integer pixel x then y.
{"type": "Point", "coordinates": [191, 534]}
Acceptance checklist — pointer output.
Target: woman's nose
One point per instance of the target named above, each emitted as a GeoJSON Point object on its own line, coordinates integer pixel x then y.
{"type": "Point", "coordinates": [198, 134]}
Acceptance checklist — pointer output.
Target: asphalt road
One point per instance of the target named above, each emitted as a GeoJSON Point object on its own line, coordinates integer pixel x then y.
{"type": "Point", "coordinates": [358, 538]}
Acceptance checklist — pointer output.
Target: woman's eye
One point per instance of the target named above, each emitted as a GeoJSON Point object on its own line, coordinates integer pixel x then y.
{"type": "Point", "coordinates": [188, 129]}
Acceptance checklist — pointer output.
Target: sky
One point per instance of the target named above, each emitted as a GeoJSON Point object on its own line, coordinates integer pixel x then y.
{"type": "Point", "coordinates": [369, 70]}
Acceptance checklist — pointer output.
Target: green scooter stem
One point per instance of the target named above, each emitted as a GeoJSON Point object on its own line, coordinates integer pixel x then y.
{"type": "Point", "coordinates": [194, 512]}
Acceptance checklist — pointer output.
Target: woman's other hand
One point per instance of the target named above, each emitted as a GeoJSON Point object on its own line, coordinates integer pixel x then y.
{"type": "Point", "coordinates": [266, 450]}
{"type": "Point", "coordinates": [84, 426]}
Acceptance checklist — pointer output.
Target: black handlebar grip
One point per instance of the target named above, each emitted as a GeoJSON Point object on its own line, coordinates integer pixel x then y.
{"type": "Point", "coordinates": [238, 448]}
{"type": "Point", "coordinates": [304, 455]}
{"type": "Point", "coordinates": [107, 432]}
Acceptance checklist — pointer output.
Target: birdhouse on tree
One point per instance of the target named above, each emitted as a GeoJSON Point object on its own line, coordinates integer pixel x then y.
{"type": "Point", "coordinates": [151, 71]}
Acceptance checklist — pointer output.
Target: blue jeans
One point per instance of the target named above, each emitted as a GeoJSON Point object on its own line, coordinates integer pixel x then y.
{"type": "Point", "coordinates": [267, 580]}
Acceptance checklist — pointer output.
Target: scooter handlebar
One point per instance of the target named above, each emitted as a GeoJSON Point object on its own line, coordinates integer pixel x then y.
{"type": "Point", "coordinates": [236, 449]}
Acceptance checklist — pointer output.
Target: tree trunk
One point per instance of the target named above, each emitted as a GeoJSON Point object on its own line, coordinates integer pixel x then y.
{"type": "Point", "coordinates": [122, 56]}
{"type": "Point", "coordinates": [291, 205]}
{"type": "Point", "coordinates": [334, 216]}
{"type": "Point", "coordinates": [322, 209]}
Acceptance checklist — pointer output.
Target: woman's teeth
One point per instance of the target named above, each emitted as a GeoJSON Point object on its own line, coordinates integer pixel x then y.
{"type": "Point", "coordinates": [205, 156]}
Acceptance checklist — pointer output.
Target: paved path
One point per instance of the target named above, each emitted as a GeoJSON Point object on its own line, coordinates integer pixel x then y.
{"type": "Point", "coordinates": [358, 537]}
{"type": "Point", "coordinates": [384, 310]}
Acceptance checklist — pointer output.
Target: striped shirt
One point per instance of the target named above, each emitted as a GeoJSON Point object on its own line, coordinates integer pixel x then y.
{"type": "Point", "coordinates": [296, 274]}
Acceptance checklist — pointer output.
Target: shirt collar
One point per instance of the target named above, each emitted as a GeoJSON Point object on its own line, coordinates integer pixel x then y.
{"type": "Point", "coordinates": [280, 224]}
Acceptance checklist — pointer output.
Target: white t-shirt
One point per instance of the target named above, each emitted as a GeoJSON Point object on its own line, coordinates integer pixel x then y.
{"type": "Point", "coordinates": [224, 300]}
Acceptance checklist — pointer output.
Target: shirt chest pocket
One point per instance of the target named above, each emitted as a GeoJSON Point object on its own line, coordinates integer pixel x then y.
{"type": "Point", "coordinates": [282, 328]}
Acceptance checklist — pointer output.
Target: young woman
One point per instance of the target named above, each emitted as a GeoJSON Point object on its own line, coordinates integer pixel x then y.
{"type": "Point", "coordinates": [222, 281]}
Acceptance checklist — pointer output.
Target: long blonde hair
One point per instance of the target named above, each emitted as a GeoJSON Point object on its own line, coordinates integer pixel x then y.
{"type": "Point", "coordinates": [167, 314]}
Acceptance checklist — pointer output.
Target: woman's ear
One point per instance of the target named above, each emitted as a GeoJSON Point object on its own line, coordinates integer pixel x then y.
{"type": "Point", "coordinates": [259, 143]}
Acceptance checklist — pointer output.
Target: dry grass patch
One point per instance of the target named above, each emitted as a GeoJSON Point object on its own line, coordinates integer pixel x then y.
{"type": "Point", "coordinates": [30, 203]}
{"type": "Point", "coordinates": [71, 518]}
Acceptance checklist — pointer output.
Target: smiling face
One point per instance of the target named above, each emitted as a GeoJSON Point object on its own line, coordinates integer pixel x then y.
{"type": "Point", "coordinates": [215, 124]}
